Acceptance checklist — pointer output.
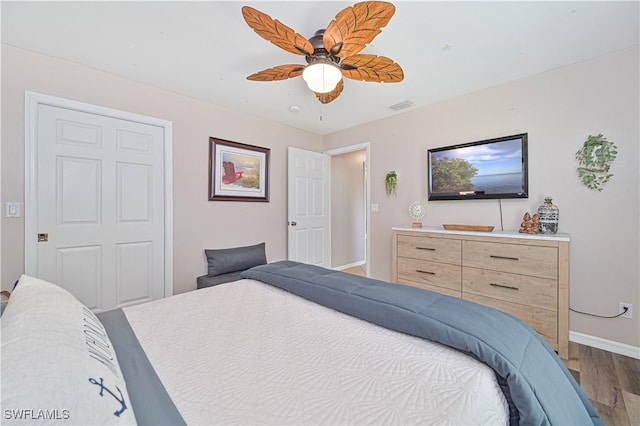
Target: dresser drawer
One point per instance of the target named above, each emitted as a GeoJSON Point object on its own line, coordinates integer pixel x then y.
{"type": "Point", "coordinates": [431, 273]}
{"type": "Point", "coordinates": [532, 291]}
{"type": "Point", "coordinates": [441, 290]}
{"type": "Point", "coordinates": [425, 248]}
{"type": "Point", "coordinates": [545, 322]}
{"type": "Point", "coordinates": [517, 259]}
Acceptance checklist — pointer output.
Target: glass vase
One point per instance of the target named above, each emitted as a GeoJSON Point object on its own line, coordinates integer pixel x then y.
{"type": "Point", "coordinates": [549, 215]}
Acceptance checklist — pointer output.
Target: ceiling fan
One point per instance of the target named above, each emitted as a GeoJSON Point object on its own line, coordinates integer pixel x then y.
{"type": "Point", "coordinates": [331, 53]}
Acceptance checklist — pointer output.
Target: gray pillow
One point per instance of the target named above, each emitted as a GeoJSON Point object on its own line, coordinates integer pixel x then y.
{"type": "Point", "coordinates": [222, 261]}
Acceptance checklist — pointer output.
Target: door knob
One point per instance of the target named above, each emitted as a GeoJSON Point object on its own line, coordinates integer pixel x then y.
{"type": "Point", "coordinates": [294, 223]}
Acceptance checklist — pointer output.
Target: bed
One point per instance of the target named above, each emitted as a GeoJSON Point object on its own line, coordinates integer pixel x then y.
{"type": "Point", "coordinates": [287, 344]}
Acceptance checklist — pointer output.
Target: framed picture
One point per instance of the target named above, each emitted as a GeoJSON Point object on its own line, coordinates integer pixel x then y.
{"type": "Point", "coordinates": [238, 172]}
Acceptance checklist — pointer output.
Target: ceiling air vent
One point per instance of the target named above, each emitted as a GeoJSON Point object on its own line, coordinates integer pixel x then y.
{"type": "Point", "coordinates": [401, 105]}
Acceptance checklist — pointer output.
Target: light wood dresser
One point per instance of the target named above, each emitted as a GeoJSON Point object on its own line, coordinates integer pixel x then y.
{"type": "Point", "coordinates": [524, 275]}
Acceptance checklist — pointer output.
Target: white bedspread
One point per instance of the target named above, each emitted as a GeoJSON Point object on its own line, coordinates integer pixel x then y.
{"type": "Point", "coordinates": [249, 353]}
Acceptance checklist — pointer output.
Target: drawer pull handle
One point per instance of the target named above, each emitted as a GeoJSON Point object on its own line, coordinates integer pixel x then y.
{"type": "Point", "coordinates": [504, 286]}
{"type": "Point", "coordinates": [504, 257]}
{"type": "Point", "coordinates": [425, 272]}
{"type": "Point", "coordinates": [425, 248]}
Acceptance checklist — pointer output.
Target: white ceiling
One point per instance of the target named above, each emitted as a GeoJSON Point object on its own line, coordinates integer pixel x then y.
{"type": "Point", "coordinates": [205, 50]}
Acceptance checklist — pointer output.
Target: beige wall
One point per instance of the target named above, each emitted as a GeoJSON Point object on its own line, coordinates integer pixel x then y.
{"type": "Point", "coordinates": [347, 208]}
{"type": "Point", "coordinates": [198, 223]}
{"type": "Point", "coordinates": [558, 109]}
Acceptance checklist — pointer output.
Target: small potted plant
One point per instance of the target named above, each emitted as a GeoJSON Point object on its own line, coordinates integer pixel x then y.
{"type": "Point", "coordinates": [391, 183]}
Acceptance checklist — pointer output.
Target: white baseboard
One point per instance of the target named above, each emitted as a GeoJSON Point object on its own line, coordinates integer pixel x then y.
{"type": "Point", "coordinates": [604, 344]}
{"type": "Point", "coordinates": [351, 265]}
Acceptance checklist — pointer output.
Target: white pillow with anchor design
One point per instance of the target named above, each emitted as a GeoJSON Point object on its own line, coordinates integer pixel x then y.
{"type": "Point", "coordinates": [58, 364]}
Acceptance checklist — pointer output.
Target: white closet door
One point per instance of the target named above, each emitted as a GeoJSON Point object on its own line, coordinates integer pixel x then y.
{"type": "Point", "coordinates": [100, 202]}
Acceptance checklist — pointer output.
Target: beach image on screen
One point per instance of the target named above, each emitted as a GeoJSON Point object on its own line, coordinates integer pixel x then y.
{"type": "Point", "coordinates": [489, 168]}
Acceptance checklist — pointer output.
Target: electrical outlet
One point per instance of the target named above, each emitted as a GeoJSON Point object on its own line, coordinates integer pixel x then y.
{"type": "Point", "coordinates": [629, 313]}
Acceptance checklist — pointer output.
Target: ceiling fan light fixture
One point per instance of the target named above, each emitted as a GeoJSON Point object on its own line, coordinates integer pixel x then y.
{"type": "Point", "coordinates": [322, 76]}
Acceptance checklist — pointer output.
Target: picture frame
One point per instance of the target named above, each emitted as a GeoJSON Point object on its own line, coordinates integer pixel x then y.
{"type": "Point", "coordinates": [237, 171]}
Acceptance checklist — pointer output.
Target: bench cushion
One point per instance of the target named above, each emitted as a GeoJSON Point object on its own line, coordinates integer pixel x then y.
{"type": "Point", "coordinates": [223, 261]}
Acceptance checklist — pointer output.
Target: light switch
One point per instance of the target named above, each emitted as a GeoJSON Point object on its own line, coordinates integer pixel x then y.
{"type": "Point", "coordinates": [374, 207]}
{"type": "Point", "coordinates": [13, 210]}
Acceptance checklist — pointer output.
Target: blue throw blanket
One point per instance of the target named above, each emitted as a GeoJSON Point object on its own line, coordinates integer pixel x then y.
{"type": "Point", "coordinates": [539, 388]}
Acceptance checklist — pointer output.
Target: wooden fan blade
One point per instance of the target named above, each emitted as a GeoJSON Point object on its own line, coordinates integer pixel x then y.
{"type": "Point", "coordinates": [281, 72]}
{"type": "Point", "coordinates": [325, 98]}
{"type": "Point", "coordinates": [276, 32]}
{"type": "Point", "coordinates": [355, 27]}
{"type": "Point", "coordinates": [372, 68]}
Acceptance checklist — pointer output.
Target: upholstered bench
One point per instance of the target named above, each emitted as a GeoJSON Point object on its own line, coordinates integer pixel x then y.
{"type": "Point", "coordinates": [207, 281]}
{"type": "Point", "coordinates": [225, 265]}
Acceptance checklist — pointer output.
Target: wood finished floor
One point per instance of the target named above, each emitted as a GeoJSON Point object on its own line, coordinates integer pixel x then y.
{"type": "Point", "coordinates": [356, 270]}
{"type": "Point", "coordinates": [611, 381]}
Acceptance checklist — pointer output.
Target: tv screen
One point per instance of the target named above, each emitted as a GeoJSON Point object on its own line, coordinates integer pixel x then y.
{"type": "Point", "coordinates": [492, 168]}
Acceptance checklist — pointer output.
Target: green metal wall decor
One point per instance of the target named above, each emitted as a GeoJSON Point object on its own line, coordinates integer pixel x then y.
{"type": "Point", "coordinates": [594, 161]}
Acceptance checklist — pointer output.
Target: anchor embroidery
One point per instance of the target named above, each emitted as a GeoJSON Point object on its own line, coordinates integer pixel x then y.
{"type": "Point", "coordinates": [103, 388]}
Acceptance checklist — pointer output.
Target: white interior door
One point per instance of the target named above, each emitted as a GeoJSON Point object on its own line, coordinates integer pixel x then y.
{"type": "Point", "coordinates": [309, 207]}
{"type": "Point", "coordinates": [100, 204]}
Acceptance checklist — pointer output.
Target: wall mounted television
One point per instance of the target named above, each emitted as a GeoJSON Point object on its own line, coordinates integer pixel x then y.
{"type": "Point", "coordinates": [493, 168]}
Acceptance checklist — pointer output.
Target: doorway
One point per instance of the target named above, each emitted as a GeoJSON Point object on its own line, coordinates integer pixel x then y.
{"type": "Point", "coordinates": [349, 204]}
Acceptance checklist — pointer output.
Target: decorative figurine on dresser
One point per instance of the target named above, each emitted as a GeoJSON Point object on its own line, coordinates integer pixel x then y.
{"type": "Point", "coordinates": [530, 224]}
{"type": "Point", "coordinates": [416, 211]}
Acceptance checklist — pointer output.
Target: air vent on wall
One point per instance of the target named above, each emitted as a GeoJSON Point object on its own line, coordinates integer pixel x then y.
{"type": "Point", "coordinates": [401, 105]}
